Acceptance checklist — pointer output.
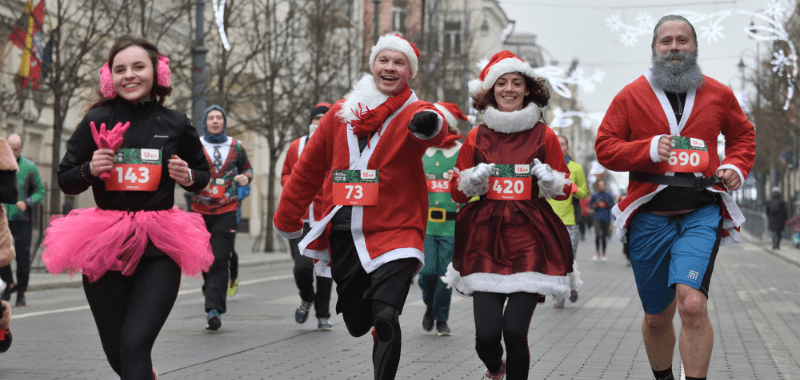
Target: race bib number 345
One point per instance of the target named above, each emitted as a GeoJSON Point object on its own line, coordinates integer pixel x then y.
{"type": "Point", "coordinates": [510, 183]}
{"type": "Point", "coordinates": [355, 187]}
{"type": "Point", "coordinates": [135, 170]}
{"type": "Point", "coordinates": [687, 155]}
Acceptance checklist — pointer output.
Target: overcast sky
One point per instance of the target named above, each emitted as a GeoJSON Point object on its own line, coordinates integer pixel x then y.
{"type": "Point", "coordinates": [569, 29]}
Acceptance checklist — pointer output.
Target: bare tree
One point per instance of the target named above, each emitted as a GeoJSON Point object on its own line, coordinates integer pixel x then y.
{"type": "Point", "coordinates": [286, 56]}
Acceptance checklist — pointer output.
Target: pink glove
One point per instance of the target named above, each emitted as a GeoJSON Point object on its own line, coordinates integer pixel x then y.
{"type": "Point", "coordinates": [574, 189]}
{"type": "Point", "coordinates": [108, 139]}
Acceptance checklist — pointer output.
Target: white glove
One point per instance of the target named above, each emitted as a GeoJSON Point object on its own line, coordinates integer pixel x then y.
{"type": "Point", "coordinates": [481, 173]}
{"type": "Point", "coordinates": [544, 172]}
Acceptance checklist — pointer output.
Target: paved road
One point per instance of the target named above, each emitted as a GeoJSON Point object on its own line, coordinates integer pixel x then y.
{"type": "Point", "coordinates": [754, 307]}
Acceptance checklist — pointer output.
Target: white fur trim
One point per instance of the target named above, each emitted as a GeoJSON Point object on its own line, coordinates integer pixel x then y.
{"type": "Point", "coordinates": [392, 42]}
{"type": "Point", "coordinates": [364, 95]}
{"type": "Point", "coordinates": [508, 65]}
{"type": "Point", "coordinates": [448, 116]}
{"type": "Point", "coordinates": [448, 152]}
{"type": "Point", "coordinates": [557, 188]}
{"type": "Point", "coordinates": [654, 148]}
{"type": "Point", "coordinates": [288, 235]}
{"type": "Point", "coordinates": [529, 282]}
{"type": "Point", "coordinates": [465, 185]}
{"type": "Point", "coordinates": [514, 121]}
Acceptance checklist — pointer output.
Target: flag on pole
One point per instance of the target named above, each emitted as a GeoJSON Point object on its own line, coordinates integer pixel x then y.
{"type": "Point", "coordinates": [27, 35]}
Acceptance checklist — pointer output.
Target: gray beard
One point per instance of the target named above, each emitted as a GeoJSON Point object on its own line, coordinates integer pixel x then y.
{"type": "Point", "coordinates": [676, 77]}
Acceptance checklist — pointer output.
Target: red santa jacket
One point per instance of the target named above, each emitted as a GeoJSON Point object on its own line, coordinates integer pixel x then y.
{"type": "Point", "coordinates": [627, 140]}
{"type": "Point", "coordinates": [395, 227]}
{"type": "Point", "coordinates": [314, 211]}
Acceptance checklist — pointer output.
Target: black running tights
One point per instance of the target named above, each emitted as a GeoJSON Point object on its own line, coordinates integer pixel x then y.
{"type": "Point", "coordinates": [387, 337]}
{"type": "Point", "coordinates": [130, 311]}
{"type": "Point", "coordinates": [492, 324]}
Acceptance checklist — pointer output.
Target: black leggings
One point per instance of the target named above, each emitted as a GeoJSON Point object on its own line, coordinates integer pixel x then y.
{"type": "Point", "coordinates": [130, 311]}
{"type": "Point", "coordinates": [492, 324]}
{"type": "Point", "coordinates": [601, 235]}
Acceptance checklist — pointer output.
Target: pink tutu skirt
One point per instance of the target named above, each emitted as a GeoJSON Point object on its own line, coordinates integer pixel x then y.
{"type": "Point", "coordinates": [95, 241]}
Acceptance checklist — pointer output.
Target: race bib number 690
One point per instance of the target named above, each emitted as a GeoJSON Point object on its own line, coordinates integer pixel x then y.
{"type": "Point", "coordinates": [355, 187]}
{"type": "Point", "coordinates": [687, 155]}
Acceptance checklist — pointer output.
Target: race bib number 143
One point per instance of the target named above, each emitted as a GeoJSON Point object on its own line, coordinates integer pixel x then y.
{"type": "Point", "coordinates": [135, 170]}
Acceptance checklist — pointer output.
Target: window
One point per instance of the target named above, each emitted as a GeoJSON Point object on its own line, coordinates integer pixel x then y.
{"type": "Point", "coordinates": [452, 38]}
{"type": "Point", "coordinates": [399, 14]}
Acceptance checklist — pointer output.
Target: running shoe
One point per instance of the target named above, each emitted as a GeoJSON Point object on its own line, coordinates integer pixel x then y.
{"type": "Point", "coordinates": [442, 329]}
{"type": "Point", "coordinates": [559, 303]}
{"type": "Point", "coordinates": [573, 296]}
{"type": "Point", "coordinates": [301, 314]}
{"type": "Point", "coordinates": [499, 376]}
{"type": "Point", "coordinates": [427, 320]}
{"type": "Point", "coordinates": [324, 325]}
{"type": "Point", "coordinates": [214, 321]}
{"type": "Point", "coordinates": [233, 287]}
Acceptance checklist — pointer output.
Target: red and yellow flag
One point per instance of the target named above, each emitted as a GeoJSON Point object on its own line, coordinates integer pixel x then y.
{"type": "Point", "coordinates": [26, 36]}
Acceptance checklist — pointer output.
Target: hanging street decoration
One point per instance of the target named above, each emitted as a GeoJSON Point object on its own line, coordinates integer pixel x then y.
{"type": "Point", "coordinates": [710, 27]}
{"type": "Point", "coordinates": [219, 13]}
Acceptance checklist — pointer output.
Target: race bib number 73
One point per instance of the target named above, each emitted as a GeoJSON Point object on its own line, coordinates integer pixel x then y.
{"type": "Point", "coordinates": [355, 187]}
{"type": "Point", "coordinates": [135, 170]}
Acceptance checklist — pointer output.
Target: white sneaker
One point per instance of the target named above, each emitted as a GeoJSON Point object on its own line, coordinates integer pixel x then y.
{"type": "Point", "coordinates": [596, 256]}
{"type": "Point", "coordinates": [604, 258]}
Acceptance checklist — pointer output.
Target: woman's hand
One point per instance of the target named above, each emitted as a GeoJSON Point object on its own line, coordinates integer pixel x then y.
{"type": "Point", "coordinates": [179, 171]}
{"type": "Point", "coordinates": [102, 161]}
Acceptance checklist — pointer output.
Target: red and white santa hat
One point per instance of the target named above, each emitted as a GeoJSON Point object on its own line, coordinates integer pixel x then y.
{"type": "Point", "coordinates": [397, 43]}
{"type": "Point", "coordinates": [501, 63]}
{"type": "Point", "coordinates": [451, 112]}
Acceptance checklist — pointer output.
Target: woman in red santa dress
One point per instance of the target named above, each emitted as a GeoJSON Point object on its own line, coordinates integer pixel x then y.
{"type": "Point", "coordinates": [510, 245]}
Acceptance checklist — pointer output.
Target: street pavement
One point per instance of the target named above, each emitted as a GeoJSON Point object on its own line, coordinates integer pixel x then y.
{"type": "Point", "coordinates": [754, 308]}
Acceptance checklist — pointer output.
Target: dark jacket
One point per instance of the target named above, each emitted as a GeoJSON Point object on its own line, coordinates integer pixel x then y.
{"type": "Point", "coordinates": [777, 212]}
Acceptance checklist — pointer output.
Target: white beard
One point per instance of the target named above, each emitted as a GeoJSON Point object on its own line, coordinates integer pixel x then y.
{"type": "Point", "coordinates": [311, 129]}
{"type": "Point", "coordinates": [363, 96]}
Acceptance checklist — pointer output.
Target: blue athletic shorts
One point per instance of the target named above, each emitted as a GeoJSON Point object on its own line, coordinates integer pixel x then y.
{"type": "Point", "coordinates": [667, 250]}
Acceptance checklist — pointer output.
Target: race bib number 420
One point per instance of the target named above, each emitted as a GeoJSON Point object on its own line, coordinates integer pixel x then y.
{"type": "Point", "coordinates": [135, 170]}
{"type": "Point", "coordinates": [510, 183]}
{"type": "Point", "coordinates": [355, 187]}
{"type": "Point", "coordinates": [687, 155]}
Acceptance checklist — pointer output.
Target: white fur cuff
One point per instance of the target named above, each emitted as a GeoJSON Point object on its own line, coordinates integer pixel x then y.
{"type": "Point", "coordinates": [467, 187]}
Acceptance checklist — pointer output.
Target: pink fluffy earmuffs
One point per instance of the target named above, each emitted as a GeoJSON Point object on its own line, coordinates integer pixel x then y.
{"type": "Point", "coordinates": [107, 83]}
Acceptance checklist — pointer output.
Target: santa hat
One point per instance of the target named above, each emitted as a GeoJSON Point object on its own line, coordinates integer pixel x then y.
{"type": "Point", "coordinates": [319, 110]}
{"type": "Point", "coordinates": [451, 112]}
{"type": "Point", "coordinates": [397, 43]}
{"type": "Point", "coordinates": [501, 63]}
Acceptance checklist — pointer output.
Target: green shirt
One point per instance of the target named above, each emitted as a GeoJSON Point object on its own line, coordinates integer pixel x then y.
{"type": "Point", "coordinates": [564, 209]}
{"type": "Point", "coordinates": [31, 194]}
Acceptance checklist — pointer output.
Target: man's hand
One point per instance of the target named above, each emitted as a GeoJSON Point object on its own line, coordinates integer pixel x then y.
{"type": "Point", "coordinates": [424, 123]}
{"type": "Point", "coordinates": [22, 206]}
{"type": "Point", "coordinates": [241, 179]}
{"type": "Point", "coordinates": [664, 147]}
{"type": "Point", "coordinates": [729, 178]}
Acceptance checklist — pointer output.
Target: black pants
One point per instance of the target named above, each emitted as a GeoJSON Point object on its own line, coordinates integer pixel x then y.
{"type": "Point", "coordinates": [21, 231]}
{"type": "Point", "coordinates": [492, 324]}
{"type": "Point", "coordinates": [776, 241]}
{"type": "Point", "coordinates": [223, 236]}
{"type": "Point", "coordinates": [601, 235]}
{"type": "Point", "coordinates": [304, 278]}
{"type": "Point", "coordinates": [130, 311]}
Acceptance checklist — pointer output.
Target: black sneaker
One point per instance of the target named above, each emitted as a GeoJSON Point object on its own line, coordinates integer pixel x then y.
{"type": "Point", "coordinates": [427, 320]}
{"type": "Point", "coordinates": [214, 321]}
{"type": "Point", "coordinates": [301, 314]}
{"type": "Point", "coordinates": [6, 296]}
{"type": "Point", "coordinates": [573, 296]}
{"type": "Point", "coordinates": [442, 329]}
{"type": "Point", "coordinates": [21, 299]}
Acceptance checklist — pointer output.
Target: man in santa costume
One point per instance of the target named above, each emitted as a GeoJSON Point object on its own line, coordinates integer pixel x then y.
{"type": "Point", "coordinates": [663, 128]}
{"type": "Point", "coordinates": [366, 156]}
{"type": "Point", "coordinates": [304, 266]}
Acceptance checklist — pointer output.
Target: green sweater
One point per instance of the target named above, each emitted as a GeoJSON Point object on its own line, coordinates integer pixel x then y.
{"type": "Point", "coordinates": [436, 162]}
{"type": "Point", "coordinates": [31, 190]}
{"type": "Point", "coordinates": [564, 209]}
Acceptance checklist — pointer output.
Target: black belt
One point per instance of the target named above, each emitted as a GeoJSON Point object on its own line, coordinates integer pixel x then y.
{"type": "Point", "coordinates": [698, 183]}
{"type": "Point", "coordinates": [440, 215]}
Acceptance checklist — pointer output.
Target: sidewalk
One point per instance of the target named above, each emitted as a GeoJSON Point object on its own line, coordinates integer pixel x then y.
{"type": "Point", "coordinates": [787, 252]}
{"type": "Point", "coordinates": [42, 280]}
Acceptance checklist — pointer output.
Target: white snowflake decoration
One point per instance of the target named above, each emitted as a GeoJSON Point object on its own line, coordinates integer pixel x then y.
{"type": "Point", "coordinates": [769, 29]}
{"type": "Point", "coordinates": [219, 16]}
{"type": "Point", "coordinates": [644, 20]}
{"type": "Point", "coordinates": [562, 119]}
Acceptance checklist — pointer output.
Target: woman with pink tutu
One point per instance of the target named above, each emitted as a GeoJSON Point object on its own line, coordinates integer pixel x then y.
{"type": "Point", "coordinates": [132, 247]}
